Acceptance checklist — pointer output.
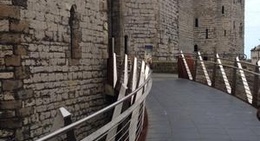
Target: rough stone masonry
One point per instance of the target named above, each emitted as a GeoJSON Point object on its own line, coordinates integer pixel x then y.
{"type": "Point", "coordinates": [52, 54]}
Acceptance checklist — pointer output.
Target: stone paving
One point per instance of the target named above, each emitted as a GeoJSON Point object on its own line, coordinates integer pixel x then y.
{"type": "Point", "coordinates": [182, 110]}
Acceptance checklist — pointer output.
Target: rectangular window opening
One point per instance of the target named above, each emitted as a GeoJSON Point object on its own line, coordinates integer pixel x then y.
{"type": "Point", "coordinates": [196, 22]}
{"type": "Point", "coordinates": [207, 33]}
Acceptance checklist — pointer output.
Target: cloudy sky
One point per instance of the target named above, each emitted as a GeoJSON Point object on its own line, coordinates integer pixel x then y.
{"type": "Point", "coordinates": [252, 25]}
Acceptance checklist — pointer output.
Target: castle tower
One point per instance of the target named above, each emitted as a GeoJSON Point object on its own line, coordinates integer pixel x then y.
{"type": "Point", "coordinates": [219, 25]}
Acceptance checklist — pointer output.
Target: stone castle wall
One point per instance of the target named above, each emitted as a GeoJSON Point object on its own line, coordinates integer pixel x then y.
{"type": "Point", "coordinates": [151, 23]}
{"type": "Point", "coordinates": [186, 25]}
{"type": "Point", "coordinates": [224, 22]}
{"type": "Point", "coordinates": [54, 53]}
{"type": "Point", "coordinates": [51, 57]}
{"type": "Point", "coordinates": [168, 31]}
{"type": "Point", "coordinates": [139, 23]}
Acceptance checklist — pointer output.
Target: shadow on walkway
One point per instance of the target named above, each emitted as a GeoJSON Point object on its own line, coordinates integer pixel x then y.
{"type": "Point", "coordinates": [182, 110]}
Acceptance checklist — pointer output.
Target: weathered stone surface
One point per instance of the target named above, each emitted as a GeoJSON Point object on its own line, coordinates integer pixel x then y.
{"type": "Point", "coordinates": [23, 112]}
{"type": "Point", "coordinates": [7, 11]}
{"type": "Point", "coordinates": [22, 72]}
{"type": "Point", "coordinates": [20, 3]}
{"type": "Point", "coordinates": [13, 60]}
{"type": "Point", "coordinates": [10, 105]}
{"type": "Point", "coordinates": [225, 34]}
{"type": "Point", "coordinates": [20, 50]}
{"type": "Point", "coordinates": [4, 24]}
{"type": "Point", "coordinates": [10, 38]}
{"type": "Point", "coordinates": [152, 23]}
{"type": "Point", "coordinates": [10, 85]}
{"type": "Point", "coordinates": [7, 114]}
{"type": "Point", "coordinates": [24, 94]}
{"type": "Point", "coordinates": [8, 96]}
{"type": "Point", "coordinates": [10, 123]}
{"type": "Point", "coordinates": [19, 26]}
{"type": "Point", "coordinates": [6, 75]}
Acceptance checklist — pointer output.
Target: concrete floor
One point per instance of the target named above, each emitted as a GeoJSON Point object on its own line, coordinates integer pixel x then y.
{"type": "Point", "coordinates": [182, 110]}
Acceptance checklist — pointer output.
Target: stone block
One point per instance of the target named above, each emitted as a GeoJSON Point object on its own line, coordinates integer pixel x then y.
{"type": "Point", "coordinates": [19, 26]}
{"type": "Point", "coordinates": [10, 85]}
{"type": "Point", "coordinates": [22, 3]}
{"type": "Point", "coordinates": [24, 94]}
{"type": "Point", "coordinates": [11, 123]}
{"type": "Point", "coordinates": [6, 75]}
{"type": "Point", "coordinates": [13, 61]}
{"type": "Point", "coordinates": [4, 52]}
{"type": "Point", "coordinates": [10, 38]}
{"type": "Point", "coordinates": [7, 11]}
{"type": "Point", "coordinates": [20, 50]}
{"type": "Point", "coordinates": [6, 133]}
{"type": "Point", "coordinates": [10, 105]}
{"type": "Point", "coordinates": [22, 72]}
{"type": "Point", "coordinates": [2, 61]}
{"type": "Point", "coordinates": [7, 114]}
{"type": "Point", "coordinates": [4, 24]}
{"type": "Point", "coordinates": [25, 112]}
{"type": "Point", "coordinates": [9, 96]}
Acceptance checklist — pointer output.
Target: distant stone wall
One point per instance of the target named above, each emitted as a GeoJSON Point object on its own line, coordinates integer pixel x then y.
{"type": "Point", "coordinates": [165, 67]}
{"type": "Point", "coordinates": [140, 23]}
{"type": "Point", "coordinates": [220, 26]}
{"type": "Point", "coordinates": [186, 25]}
{"type": "Point", "coordinates": [52, 56]}
{"type": "Point", "coordinates": [153, 23]}
{"type": "Point", "coordinates": [168, 31]}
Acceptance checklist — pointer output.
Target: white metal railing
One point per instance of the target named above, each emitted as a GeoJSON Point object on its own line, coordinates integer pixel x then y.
{"type": "Point", "coordinates": [126, 124]}
{"type": "Point", "coordinates": [247, 88]}
{"type": "Point", "coordinates": [224, 75]}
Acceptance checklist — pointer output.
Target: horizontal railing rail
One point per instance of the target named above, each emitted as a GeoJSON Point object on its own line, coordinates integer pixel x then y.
{"type": "Point", "coordinates": [230, 74]}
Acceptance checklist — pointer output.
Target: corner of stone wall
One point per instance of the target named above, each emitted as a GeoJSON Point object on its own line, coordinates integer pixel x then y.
{"type": "Point", "coordinates": [12, 93]}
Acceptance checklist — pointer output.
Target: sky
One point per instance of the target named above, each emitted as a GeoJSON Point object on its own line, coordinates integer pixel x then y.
{"type": "Point", "coordinates": [252, 25]}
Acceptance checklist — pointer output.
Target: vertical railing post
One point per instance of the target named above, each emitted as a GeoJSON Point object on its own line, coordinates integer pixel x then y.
{"type": "Point", "coordinates": [67, 121]}
{"type": "Point", "coordinates": [234, 79]}
{"type": "Point", "coordinates": [256, 86]}
{"type": "Point", "coordinates": [214, 73]}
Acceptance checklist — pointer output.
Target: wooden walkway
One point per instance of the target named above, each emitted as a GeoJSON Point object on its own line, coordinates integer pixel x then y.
{"type": "Point", "coordinates": [182, 110]}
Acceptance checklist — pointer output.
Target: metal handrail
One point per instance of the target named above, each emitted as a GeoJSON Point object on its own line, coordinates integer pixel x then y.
{"type": "Point", "coordinates": [235, 68]}
{"type": "Point", "coordinates": [122, 116]}
{"type": "Point", "coordinates": [77, 123]}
